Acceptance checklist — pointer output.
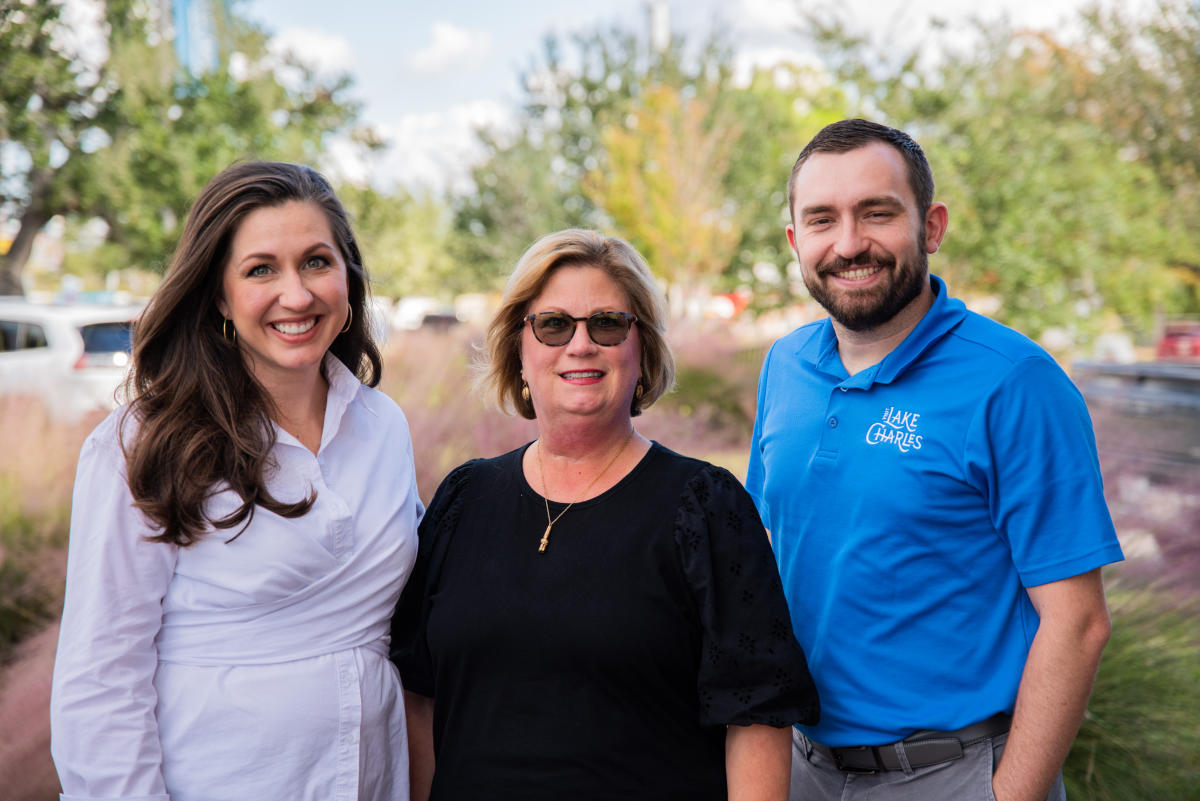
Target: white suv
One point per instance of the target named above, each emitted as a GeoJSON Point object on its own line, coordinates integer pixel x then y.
{"type": "Point", "coordinates": [73, 357]}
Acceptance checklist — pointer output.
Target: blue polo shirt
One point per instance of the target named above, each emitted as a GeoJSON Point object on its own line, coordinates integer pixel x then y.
{"type": "Point", "coordinates": [909, 507]}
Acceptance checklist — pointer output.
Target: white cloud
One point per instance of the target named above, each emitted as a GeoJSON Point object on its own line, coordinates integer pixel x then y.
{"type": "Point", "coordinates": [766, 15]}
{"type": "Point", "coordinates": [748, 60]}
{"type": "Point", "coordinates": [450, 48]}
{"type": "Point", "coordinates": [438, 149]}
{"type": "Point", "coordinates": [426, 151]}
{"type": "Point", "coordinates": [891, 19]}
{"type": "Point", "coordinates": [328, 55]}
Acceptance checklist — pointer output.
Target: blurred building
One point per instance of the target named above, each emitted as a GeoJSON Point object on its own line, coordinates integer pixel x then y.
{"type": "Point", "coordinates": [192, 26]}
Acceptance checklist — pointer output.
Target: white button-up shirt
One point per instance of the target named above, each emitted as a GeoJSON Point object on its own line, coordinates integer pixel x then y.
{"type": "Point", "coordinates": [251, 669]}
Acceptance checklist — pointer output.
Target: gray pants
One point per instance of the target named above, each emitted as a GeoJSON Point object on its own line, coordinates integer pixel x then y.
{"type": "Point", "coordinates": [816, 778]}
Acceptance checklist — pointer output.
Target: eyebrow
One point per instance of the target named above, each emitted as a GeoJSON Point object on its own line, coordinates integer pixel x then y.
{"type": "Point", "coordinates": [267, 256]}
{"type": "Point", "coordinates": [877, 201]}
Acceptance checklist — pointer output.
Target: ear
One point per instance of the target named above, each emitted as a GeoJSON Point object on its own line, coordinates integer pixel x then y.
{"type": "Point", "coordinates": [791, 237]}
{"type": "Point", "coordinates": [223, 307]}
{"type": "Point", "coordinates": [936, 220]}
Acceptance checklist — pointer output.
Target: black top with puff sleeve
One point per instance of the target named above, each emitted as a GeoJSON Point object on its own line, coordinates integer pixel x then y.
{"type": "Point", "coordinates": [608, 666]}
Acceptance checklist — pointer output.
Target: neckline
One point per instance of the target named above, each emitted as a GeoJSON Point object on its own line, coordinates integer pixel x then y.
{"type": "Point", "coordinates": [537, 497]}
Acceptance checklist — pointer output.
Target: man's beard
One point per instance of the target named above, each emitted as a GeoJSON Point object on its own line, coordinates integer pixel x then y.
{"type": "Point", "coordinates": [869, 308]}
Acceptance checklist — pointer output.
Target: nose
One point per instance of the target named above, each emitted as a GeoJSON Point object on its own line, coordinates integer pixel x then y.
{"type": "Point", "coordinates": [850, 241]}
{"type": "Point", "coordinates": [293, 294]}
{"type": "Point", "coordinates": [581, 342]}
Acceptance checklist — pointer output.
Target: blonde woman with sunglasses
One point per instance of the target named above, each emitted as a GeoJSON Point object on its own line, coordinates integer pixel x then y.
{"type": "Point", "coordinates": [593, 615]}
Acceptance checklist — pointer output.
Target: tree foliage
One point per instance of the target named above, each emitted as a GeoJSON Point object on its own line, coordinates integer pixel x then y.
{"type": "Point", "coordinates": [133, 139]}
{"type": "Point", "coordinates": [663, 184]}
{"type": "Point", "coordinates": [1140, 83]}
{"type": "Point", "coordinates": [663, 148]}
{"type": "Point", "coordinates": [403, 238]}
{"type": "Point", "coordinates": [1050, 212]}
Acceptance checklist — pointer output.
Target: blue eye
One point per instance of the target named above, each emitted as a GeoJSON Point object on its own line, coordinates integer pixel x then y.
{"type": "Point", "coordinates": [317, 262]}
{"type": "Point", "coordinates": [258, 270]}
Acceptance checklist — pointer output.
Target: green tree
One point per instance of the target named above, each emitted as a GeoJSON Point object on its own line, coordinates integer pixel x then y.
{"type": "Point", "coordinates": [1049, 212]}
{"type": "Point", "coordinates": [663, 184]}
{"type": "Point", "coordinates": [530, 182]}
{"type": "Point", "coordinates": [404, 239]}
{"type": "Point", "coordinates": [777, 112]}
{"type": "Point", "coordinates": [520, 194]}
{"type": "Point", "coordinates": [1139, 83]}
{"type": "Point", "coordinates": [133, 140]}
{"type": "Point", "coordinates": [662, 148]}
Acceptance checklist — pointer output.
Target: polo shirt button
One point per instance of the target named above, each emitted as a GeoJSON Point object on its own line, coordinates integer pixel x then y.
{"type": "Point", "coordinates": [833, 422]}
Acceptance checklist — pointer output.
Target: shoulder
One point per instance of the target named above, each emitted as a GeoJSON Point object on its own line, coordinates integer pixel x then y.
{"type": "Point", "coordinates": [698, 481]}
{"type": "Point", "coordinates": [664, 461]}
{"type": "Point", "coordinates": [985, 338]}
{"type": "Point", "coordinates": [797, 340]}
{"type": "Point", "coordinates": [381, 405]}
{"type": "Point", "coordinates": [115, 432]}
{"type": "Point", "coordinates": [377, 419]}
{"type": "Point", "coordinates": [480, 472]}
{"type": "Point", "coordinates": [506, 464]}
{"type": "Point", "coordinates": [995, 360]}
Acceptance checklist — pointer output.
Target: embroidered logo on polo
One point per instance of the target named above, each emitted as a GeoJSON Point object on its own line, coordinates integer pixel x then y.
{"type": "Point", "coordinates": [897, 427]}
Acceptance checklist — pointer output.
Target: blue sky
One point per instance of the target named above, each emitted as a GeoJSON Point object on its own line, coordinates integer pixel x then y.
{"type": "Point", "coordinates": [428, 72]}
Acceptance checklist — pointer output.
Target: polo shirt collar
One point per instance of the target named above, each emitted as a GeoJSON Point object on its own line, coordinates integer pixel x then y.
{"type": "Point", "coordinates": [945, 313]}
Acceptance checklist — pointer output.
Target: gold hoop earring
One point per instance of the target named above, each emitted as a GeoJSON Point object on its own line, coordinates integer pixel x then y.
{"type": "Point", "coordinates": [349, 319]}
{"type": "Point", "coordinates": [232, 340]}
{"type": "Point", "coordinates": [525, 392]}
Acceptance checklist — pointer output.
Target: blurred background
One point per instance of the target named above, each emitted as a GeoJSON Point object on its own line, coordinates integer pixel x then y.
{"type": "Point", "coordinates": [1064, 137]}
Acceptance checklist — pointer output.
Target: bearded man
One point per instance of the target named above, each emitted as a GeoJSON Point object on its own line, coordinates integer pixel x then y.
{"type": "Point", "coordinates": [931, 484]}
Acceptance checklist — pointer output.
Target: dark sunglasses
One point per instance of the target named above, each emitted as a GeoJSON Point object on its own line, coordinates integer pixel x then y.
{"type": "Point", "coordinates": [604, 328]}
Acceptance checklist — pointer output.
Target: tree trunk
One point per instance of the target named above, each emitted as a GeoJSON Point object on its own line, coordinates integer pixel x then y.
{"type": "Point", "coordinates": [36, 214]}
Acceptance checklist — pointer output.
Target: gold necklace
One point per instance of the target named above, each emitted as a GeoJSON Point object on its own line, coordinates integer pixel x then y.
{"type": "Point", "coordinates": [542, 472]}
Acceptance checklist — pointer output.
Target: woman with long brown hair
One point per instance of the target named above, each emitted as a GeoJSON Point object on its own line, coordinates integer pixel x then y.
{"type": "Point", "coordinates": [243, 526]}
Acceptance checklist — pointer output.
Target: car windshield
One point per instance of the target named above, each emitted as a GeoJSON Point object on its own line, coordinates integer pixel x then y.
{"type": "Point", "coordinates": [106, 337]}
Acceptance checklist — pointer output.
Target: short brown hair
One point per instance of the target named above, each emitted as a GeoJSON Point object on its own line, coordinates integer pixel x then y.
{"type": "Point", "coordinates": [847, 135]}
{"type": "Point", "coordinates": [576, 247]}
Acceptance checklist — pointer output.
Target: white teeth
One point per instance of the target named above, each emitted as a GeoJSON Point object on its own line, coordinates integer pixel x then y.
{"type": "Point", "coordinates": [294, 328]}
{"type": "Point", "coordinates": [858, 273]}
{"type": "Point", "coordinates": [583, 374]}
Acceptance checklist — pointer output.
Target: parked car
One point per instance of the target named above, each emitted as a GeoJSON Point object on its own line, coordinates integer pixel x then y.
{"type": "Point", "coordinates": [1180, 341]}
{"type": "Point", "coordinates": [73, 357]}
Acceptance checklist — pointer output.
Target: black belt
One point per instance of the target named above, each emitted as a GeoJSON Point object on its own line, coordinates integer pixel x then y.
{"type": "Point", "coordinates": [922, 749]}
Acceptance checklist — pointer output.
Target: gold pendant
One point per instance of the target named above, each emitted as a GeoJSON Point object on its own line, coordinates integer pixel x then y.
{"type": "Point", "coordinates": [545, 539]}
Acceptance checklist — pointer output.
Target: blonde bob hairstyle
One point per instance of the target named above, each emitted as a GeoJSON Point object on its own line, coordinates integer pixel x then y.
{"type": "Point", "coordinates": [575, 247]}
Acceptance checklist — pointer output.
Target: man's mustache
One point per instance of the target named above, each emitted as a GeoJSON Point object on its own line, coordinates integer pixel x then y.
{"type": "Point", "coordinates": [864, 259]}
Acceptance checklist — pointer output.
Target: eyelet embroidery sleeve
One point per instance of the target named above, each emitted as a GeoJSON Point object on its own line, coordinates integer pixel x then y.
{"type": "Point", "coordinates": [751, 668]}
{"type": "Point", "coordinates": [410, 650]}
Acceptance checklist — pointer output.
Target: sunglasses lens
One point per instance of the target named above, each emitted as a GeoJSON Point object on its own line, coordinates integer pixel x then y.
{"type": "Point", "coordinates": [608, 328]}
{"type": "Point", "coordinates": [604, 328]}
{"type": "Point", "coordinates": [552, 328]}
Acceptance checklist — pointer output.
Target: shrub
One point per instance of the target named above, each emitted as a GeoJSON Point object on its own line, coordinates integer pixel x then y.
{"type": "Point", "coordinates": [1141, 736]}
{"type": "Point", "coordinates": [37, 470]}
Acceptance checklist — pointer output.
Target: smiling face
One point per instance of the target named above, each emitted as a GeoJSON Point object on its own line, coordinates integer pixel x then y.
{"type": "Point", "coordinates": [285, 289]}
{"type": "Point", "coordinates": [581, 378]}
{"type": "Point", "coordinates": [858, 235]}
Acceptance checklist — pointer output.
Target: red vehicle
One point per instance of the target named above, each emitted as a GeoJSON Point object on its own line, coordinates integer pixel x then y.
{"type": "Point", "coordinates": [1180, 342]}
